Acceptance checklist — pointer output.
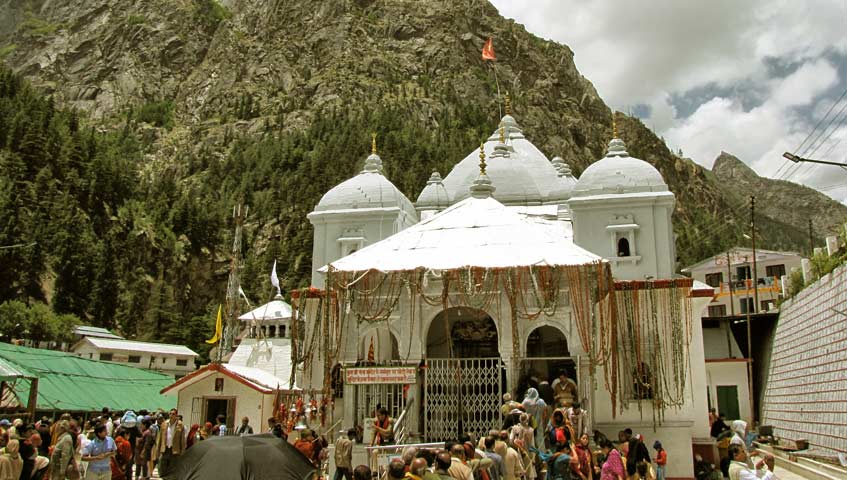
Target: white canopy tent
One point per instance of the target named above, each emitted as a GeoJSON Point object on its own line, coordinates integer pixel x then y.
{"type": "Point", "coordinates": [476, 232]}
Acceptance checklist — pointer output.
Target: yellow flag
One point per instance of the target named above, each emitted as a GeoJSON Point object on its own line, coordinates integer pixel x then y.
{"type": "Point", "coordinates": [218, 328]}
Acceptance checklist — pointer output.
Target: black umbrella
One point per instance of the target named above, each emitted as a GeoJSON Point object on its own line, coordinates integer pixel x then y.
{"type": "Point", "coordinates": [252, 457]}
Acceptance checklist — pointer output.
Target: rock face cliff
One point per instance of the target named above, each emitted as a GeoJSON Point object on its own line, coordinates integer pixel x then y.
{"type": "Point", "coordinates": [784, 209]}
{"type": "Point", "coordinates": [272, 102]}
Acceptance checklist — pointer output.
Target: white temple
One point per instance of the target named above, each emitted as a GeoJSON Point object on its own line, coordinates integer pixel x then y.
{"type": "Point", "coordinates": [494, 280]}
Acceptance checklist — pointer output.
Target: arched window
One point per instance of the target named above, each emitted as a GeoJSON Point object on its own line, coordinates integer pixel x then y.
{"type": "Point", "coordinates": [623, 247]}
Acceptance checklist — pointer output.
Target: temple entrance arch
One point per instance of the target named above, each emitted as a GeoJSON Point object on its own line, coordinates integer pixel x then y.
{"type": "Point", "coordinates": [548, 356]}
{"type": "Point", "coordinates": [461, 332]}
{"type": "Point", "coordinates": [464, 378]}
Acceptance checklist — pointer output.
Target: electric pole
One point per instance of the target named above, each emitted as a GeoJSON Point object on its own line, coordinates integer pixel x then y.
{"type": "Point", "coordinates": [755, 308]}
{"type": "Point", "coordinates": [811, 240]}
{"type": "Point", "coordinates": [755, 274]}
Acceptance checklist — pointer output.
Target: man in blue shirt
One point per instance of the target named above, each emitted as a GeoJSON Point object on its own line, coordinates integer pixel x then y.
{"type": "Point", "coordinates": [99, 455]}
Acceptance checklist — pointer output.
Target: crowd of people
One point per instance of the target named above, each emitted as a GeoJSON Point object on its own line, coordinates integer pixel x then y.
{"type": "Point", "coordinates": [538, 440]}
{"type": "Point", "coordinates": [110, 446]}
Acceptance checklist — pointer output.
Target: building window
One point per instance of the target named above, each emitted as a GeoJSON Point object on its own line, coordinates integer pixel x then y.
{"type": "Point", "coordinates": [623, 247]}
{"type": "Point", "coordinates": [775, 270]}
{"type": "Point", "coordinates": [282, 331]}
{"type": "Point", "coordinates": [714, 280]}
{"type": "Point", "coordinates": [106, 357]}
{"type": "Point", "coordinates": [717, 310]}
{"type": "Point", "coordinates": [742, 273]}
{"type": "Point", "coordinates": [181, 362]}
{"type": "Point", "coordinates": [90, 355]}
{"type": "Point", "coordinates": [746, 305]}
{"type": "Point", "coordinates": [134, 359]}
{"type": "Point", "coordinates": [164, 359]}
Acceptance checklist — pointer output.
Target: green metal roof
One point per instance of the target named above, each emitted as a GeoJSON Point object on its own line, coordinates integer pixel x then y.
{"type": "Point", "coordinates": [70, 383]}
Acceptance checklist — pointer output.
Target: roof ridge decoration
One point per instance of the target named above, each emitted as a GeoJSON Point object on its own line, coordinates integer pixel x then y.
{"type": "Point", "coordinates": [508, 102]}
{"type": "Point", "coordinates": [501, 150]}
{"type": "Point", "coordinates": [616, 147]}
{"type": "Point", "coordinates": [482, 187]}
{"type": "Point", "coordinates": [435, 178]}
{"type": "Point", "coordinates": [373, 164]}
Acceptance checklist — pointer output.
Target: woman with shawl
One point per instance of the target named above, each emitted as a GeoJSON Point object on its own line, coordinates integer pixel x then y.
{"type": "Point", "coordinates": [582, 467]}
{"type": "Point", "coordinates": [11, 462]}
{"type": "Point", "coordinates": [536, 407]}
{"type": "Point", "coordinates": [193, 436]}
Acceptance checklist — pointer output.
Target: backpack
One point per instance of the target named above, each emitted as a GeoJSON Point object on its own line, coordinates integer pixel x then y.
{"type": "Point", "coordinates": [129, 420]}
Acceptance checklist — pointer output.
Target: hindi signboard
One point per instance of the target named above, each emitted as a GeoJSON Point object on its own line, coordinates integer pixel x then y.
{"type": "Point", "coordinates": [384, 375]}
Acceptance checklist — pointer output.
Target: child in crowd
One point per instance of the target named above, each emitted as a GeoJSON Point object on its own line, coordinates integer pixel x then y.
{"type": "Point", "coordinates": [661, 460]}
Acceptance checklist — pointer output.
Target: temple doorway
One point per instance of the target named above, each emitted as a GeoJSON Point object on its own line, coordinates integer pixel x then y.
{"type": "Point", "coordinates": [547, 357]}
{"type": "Point", "coordinates": [464, 375]}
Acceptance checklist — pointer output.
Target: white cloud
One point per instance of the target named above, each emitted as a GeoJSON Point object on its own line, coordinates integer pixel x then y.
{"type": "Point", "coordinates": [652, 51]}
{"type": "Point", "coordinates": [758, 135]}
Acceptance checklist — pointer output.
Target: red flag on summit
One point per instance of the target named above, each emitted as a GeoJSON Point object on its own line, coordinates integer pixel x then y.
{"type": "Point", "coordinates": [488, 50]}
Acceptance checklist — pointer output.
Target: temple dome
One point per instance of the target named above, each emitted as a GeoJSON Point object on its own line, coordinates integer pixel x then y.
{"type": "Point", "coordinates": [434, 195]}
{"type": "Point", "coordinates": [368, 189]}
{"type": "Point", "coordinates": [523, 175]}
{"type": "Point", "coordinates": [566, 181]}
{"type": "Point", "coordinates": [618, 173]}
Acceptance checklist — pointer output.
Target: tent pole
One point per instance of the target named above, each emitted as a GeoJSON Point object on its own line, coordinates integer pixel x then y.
{"type": "Point", "coordinates": [33, 398]}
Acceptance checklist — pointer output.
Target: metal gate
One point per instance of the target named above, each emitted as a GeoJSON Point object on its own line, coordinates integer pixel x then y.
{"type": "Point", "coordinates": [462, 395]}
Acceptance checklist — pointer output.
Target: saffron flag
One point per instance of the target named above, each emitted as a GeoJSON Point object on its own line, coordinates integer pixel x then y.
{"type": "Point", "coordinates": [488, 50]}
{"type": "Point", "coordinates": [275, 279]}
{"type": "Point", "coordinates": [218, 328]}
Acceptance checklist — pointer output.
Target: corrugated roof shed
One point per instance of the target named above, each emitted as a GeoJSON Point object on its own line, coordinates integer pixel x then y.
{"type": "Point", "coordinates": [89, 331]}
{"type": "Point", "coordinates": [145, 347]}
{"type": "Point", "coordinates": [70, 383]}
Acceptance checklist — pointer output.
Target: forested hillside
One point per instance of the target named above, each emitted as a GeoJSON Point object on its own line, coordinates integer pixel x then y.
{"type": "Point", "coordinates": [130, 130]}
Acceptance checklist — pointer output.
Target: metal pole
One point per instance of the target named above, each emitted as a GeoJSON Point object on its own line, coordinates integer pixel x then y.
{"type": "Point", "coordinates": [729, 284]}
{"type": "Point", "coordinates": [755, 273]}
{"type": "Point", "coordinates": [749, 357]}
{"type": "Point", "coordinates": [811, 240]}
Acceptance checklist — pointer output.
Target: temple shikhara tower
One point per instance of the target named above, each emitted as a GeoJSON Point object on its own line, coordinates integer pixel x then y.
{"type": "Point", "coordinates": [506, 274]}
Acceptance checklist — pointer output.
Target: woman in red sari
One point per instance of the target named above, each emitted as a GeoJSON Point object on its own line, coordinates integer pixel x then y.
{"type": "Point", "coordinates": [582, 468]}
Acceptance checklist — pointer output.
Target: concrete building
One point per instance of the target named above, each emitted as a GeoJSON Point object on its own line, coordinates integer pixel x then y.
{"type": "Point", "coordinates": [176, 360]}
{"type": "Point", "coordinates": [731, 275]}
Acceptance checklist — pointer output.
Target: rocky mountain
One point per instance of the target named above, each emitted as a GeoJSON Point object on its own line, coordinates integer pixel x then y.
{"type": "Point", "coordinates": [271, 102]}
{"type": "Point", "coordinates": [784, 209]}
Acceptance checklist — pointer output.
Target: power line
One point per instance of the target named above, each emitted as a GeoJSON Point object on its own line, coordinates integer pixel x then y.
{"type": "Point", "coordinates": [784, 174]}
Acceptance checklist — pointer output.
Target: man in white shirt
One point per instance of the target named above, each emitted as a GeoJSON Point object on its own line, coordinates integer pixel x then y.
{"type": "Point", "coordinates": [739, 470]}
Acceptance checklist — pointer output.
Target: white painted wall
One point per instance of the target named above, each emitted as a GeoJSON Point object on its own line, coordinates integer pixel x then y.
{"type": "Point", "coordinates": [375, 224]}
{"type": "Point", "coordinates": [730, 373]}
{"type": "Point", "coordinates": [248, 401]}
{"type": "Point", "coordinates": [160, 363]}
{"type": "Point", "coordinates": [654, 241]}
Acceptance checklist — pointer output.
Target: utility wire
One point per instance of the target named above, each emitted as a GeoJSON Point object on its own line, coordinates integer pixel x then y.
{"type": "Point", "coordinates": [797, 150]}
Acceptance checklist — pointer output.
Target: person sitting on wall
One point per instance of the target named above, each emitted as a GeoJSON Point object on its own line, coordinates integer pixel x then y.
{"type": "Point", "coordinates": [383, 428]}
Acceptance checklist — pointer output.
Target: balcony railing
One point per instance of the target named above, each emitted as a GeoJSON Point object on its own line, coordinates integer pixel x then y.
{"type": "Point", "coordinates": [765, 283]}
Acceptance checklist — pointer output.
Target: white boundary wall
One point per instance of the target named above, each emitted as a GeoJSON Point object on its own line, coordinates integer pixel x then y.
{"type": "Point", "coordinates": [807, 382]}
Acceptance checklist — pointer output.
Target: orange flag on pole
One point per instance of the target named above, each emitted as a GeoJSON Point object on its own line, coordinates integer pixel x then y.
{"type": "Point", "coordinates": [488, 50]}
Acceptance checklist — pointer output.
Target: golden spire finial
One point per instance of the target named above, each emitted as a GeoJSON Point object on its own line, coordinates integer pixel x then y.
{"type": "Point", "coordinates": [614, 125]}
{"type": "Point", "coordinates": [508, 104]}
{"type": "Point", "coordinates": [373, 143]}
{"type": "Point", "coordinates": [502, 134]}
{"type": "Point", "coordinates": [482, 158]}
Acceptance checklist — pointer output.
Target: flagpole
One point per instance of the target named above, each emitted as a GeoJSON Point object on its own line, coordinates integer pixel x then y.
{"type": "Point", "coordinates": [489, 55]}
{"type": "Point", "coordinates": [499, 97]}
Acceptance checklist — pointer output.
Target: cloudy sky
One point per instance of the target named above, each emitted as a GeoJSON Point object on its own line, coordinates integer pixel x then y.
{"type": "Point", "coordinates": [752, 78]}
